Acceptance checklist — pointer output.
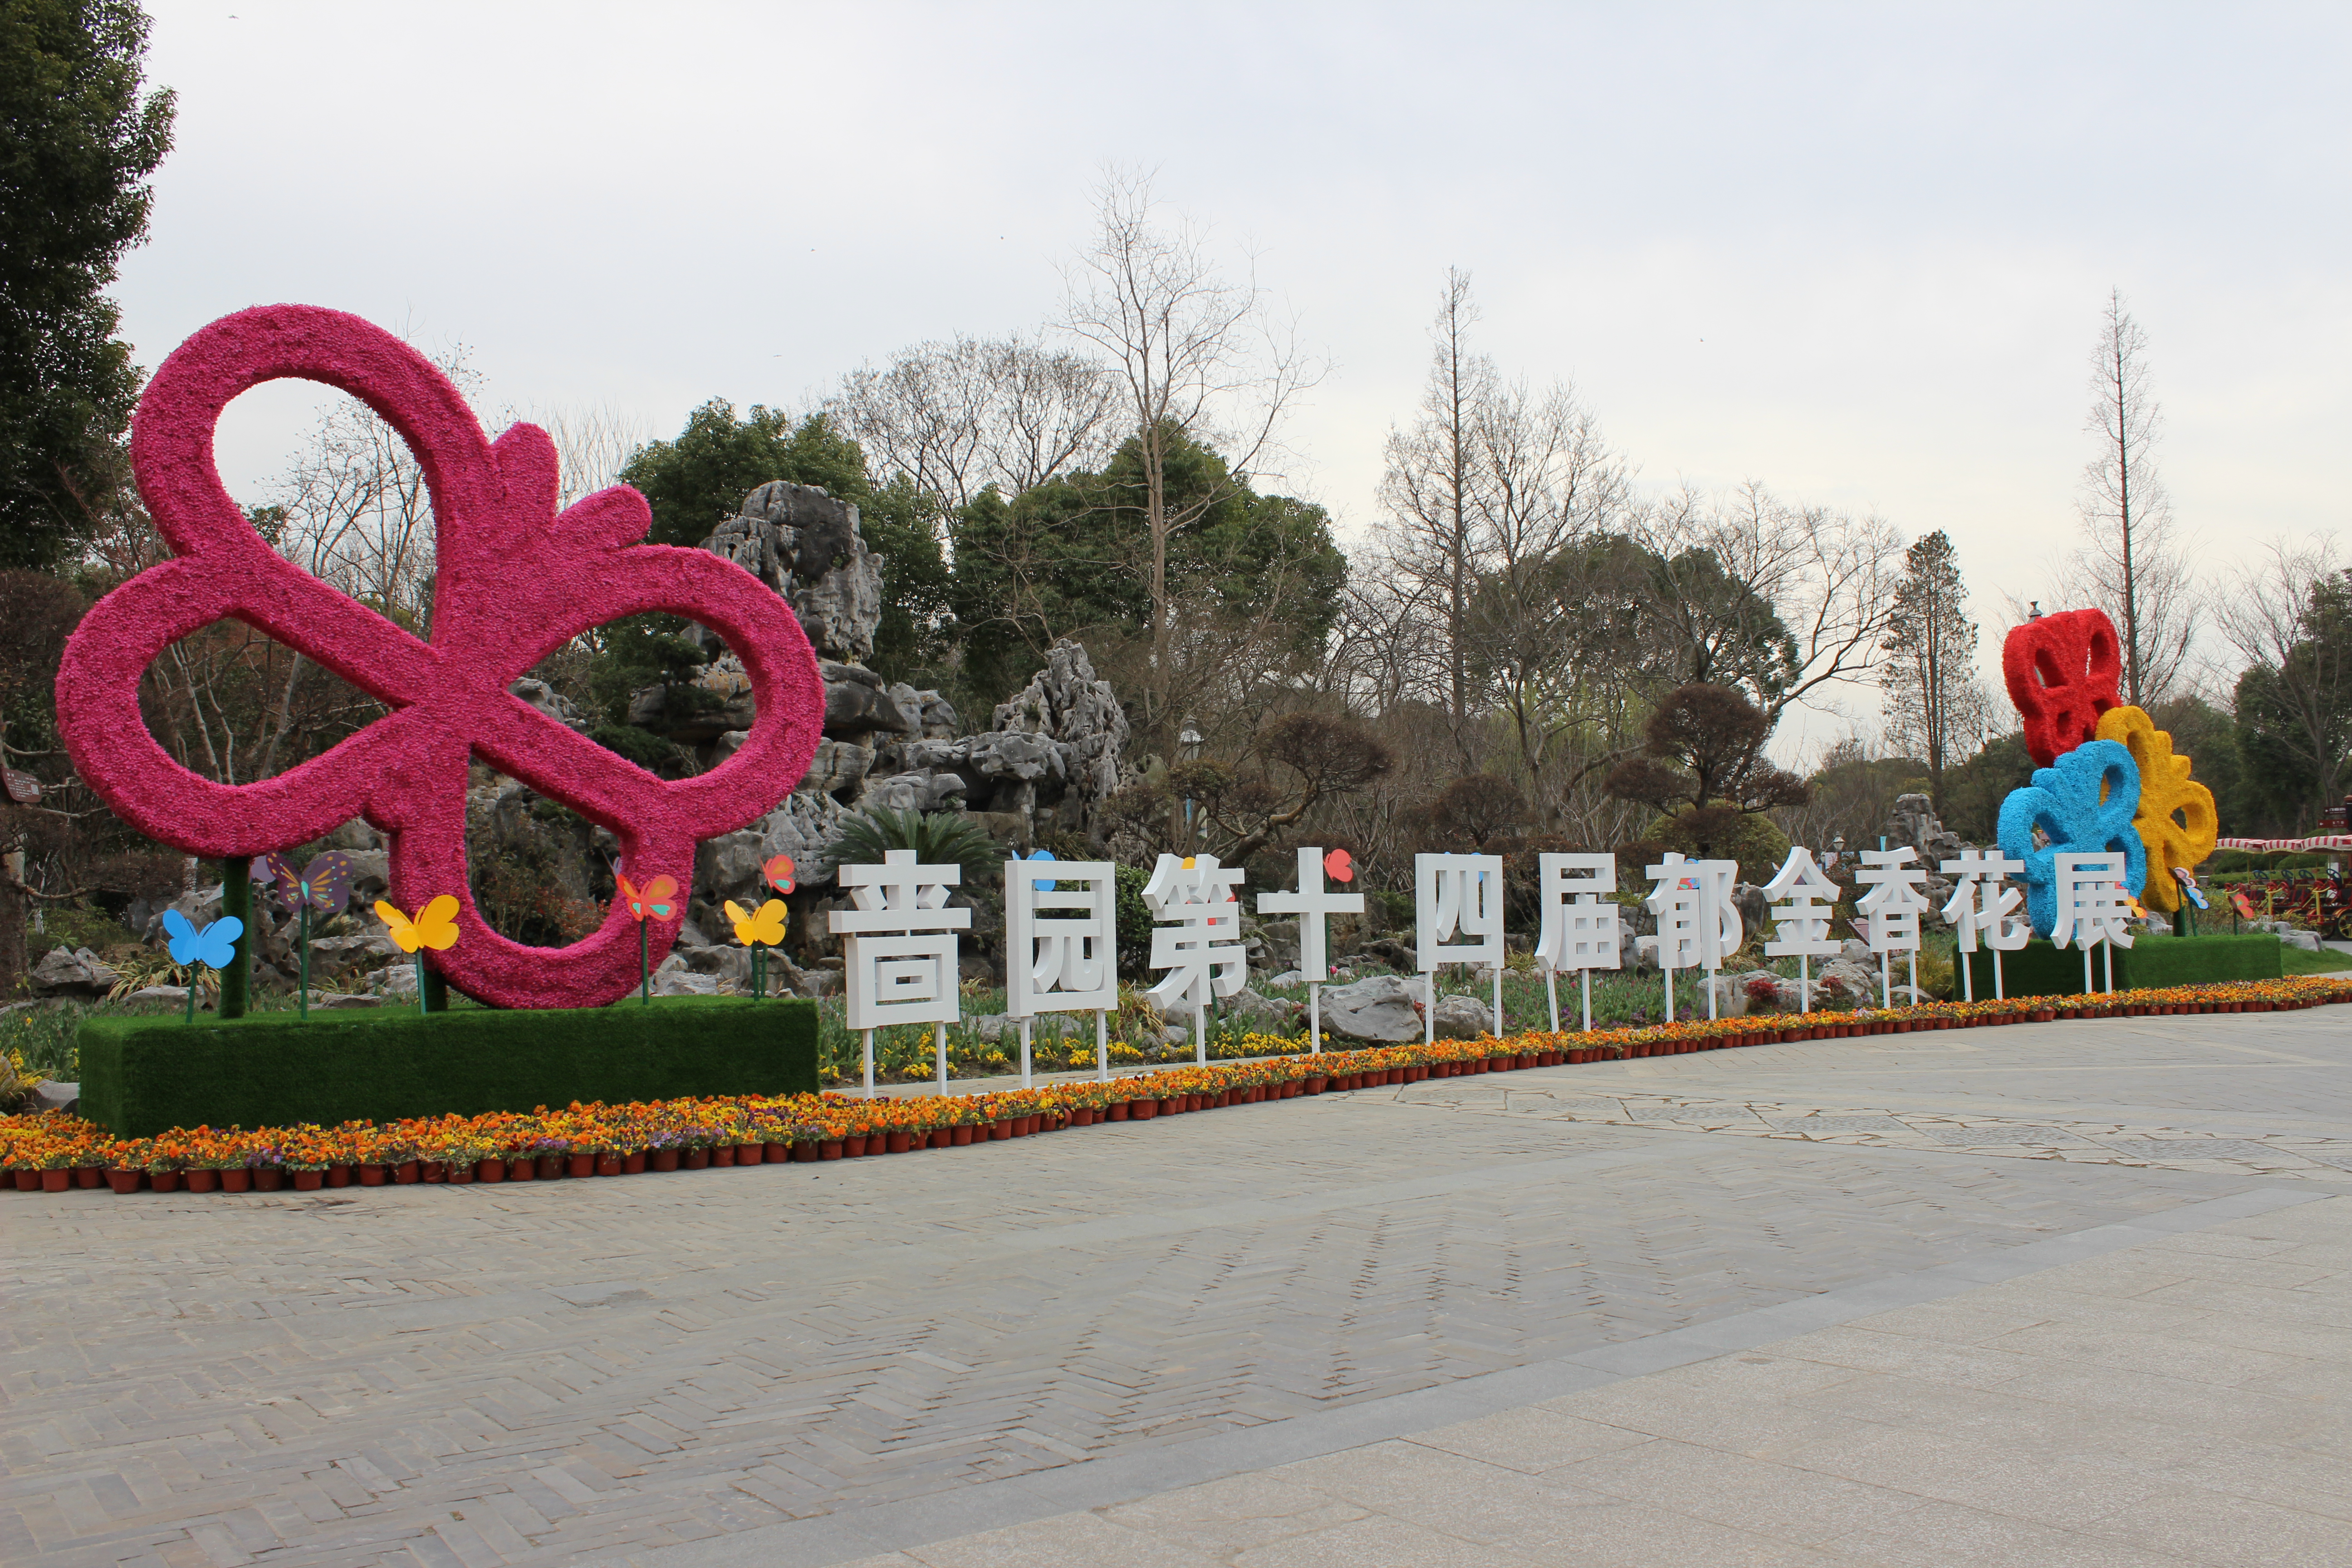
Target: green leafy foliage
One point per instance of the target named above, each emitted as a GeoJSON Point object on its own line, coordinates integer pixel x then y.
{"type": "Point", "coordinates": [937, 837]}
{"type": "Point", "coordinates": [77, 141]}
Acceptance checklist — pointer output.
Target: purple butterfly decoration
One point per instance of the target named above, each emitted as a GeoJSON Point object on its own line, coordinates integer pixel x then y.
{"type": "Point", "coordinates": [324, 884]}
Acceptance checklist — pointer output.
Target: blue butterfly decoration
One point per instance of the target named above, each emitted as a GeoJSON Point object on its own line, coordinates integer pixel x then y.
{"type": "Point", "coordinates": [2065, 802]}
{"type": "Point", "coordinates": [214, 946]}
{"type": "Point", "coordinates": [1044, 884]}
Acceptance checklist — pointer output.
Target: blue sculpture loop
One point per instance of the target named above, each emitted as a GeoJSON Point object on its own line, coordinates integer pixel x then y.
{"type": "Point", "coordinates": [2066, 802]}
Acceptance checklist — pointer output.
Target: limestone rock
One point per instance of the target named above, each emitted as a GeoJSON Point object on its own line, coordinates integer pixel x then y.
{"type": "Point", "coordinates": [340, 999]}
{"type": "Point", "coordinates": [684, 983]}
{"type": "Point", "coordinates": [858, 703]}
{"type": "Point", "coordinates": [54, 1095]}
{"type": "Point", "coordinates": [333, 957]}
{"type": "Point", "coordinates": [805, 544]}
{"type": "Point", "coordinates": [1461, 1019]}
{"type": "Point", "coordinates": [910, 792]}
{"type": "Point", "coordinates": [80, 972]}
{"type": "Point", "coordinates": [1261, 1013]}
{"type": "Point", "coordinates": [1915, 823]}
{"type": "Point", "coordinates": [2307, 941]}
{"type": "Point", "coordinates": [1379, 1009]}
{"type": "Point", "coordinates": [177, 996]}
{"type": "Point", "coordinates": [548, 701]}
{"type": "Point", "coordinates": [1755, 910]}
{"type": "Point", "coordinates": [838, 769]}
{"type": "Point", "coordinates": [1064, 701]}
{"type": "Point", "coordinates": [1731, 1000]}
{"type": "Point", "coordinates": [1854, 985]}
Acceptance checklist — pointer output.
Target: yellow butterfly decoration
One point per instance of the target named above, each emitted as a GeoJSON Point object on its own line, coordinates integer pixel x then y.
{"type": "Point", "coordinates": [435, 925]}
{"type": "Point", "coordinates": [759, 931]}
{"type": "Point", "coordinates": [764, 927]}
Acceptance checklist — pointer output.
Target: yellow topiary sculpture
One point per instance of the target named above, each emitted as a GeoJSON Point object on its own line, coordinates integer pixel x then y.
{"type": "Point", "coordinates": [2176, 819]}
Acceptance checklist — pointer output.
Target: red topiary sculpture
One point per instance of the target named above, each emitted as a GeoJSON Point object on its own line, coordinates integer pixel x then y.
{"type": "Point", "coordinates": [2061, 671]}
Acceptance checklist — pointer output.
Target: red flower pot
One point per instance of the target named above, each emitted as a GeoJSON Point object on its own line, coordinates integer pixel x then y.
{"type": "Point", "coordinates": [27, 1181]}
{"type": "Point", "coordinates": [461, 1174]}
{"type": "Point", "coordinates": [124, 1181]}
{"type": "Point", "coordinates": [580, 1164]}
{"type": "Point", "coordinates": [237, 1178]}
{"type": "Point", "coordinates": [202, 1181]}
{"type": "Point", "coordinates": [436, 1171]}
{"type": "Point", "coordinates": [805, 1151]}
{"type": "Point", "coordinates": [831, 1149]}
{"type": "Point", "coordinates": [1142, 1109]}
{"type": "Point", "coordinates": [901, 1142]}
{"type": "Point", "coordinates": [490, 1169]}
{"type": "Point", "coordinates": [339, 1175]}
{"type": "Point", "coordinates": [311, 1181]}
{"type": "Point", "coordinates": [55, 1180]}
{"type": "Point", "coordinates": [775, 1153]}
{"type": "Point", "coordinates": [750, 1154]}
{"type": "Point", "coordinates": [1116, 1111]}
{"type": "Point", "coordinates": [406, 1171]}
{"type": "Point", "coordinates": [632, 1164]}
{"type": "Point", "coordinates": [1082, 1117]}
{"type": "Point", "coordinates": [522, 1168]}
{"type": "Point", "coordinates": [1316, 1083]}
{"type": "Point", "coordinates": [90, 1175]}
{"type": "Point", "coordinates": [855, 1148]}
{"type": "Point", "coordinates": [665, 1159]}
{"type": "Point", "coordinates": [1025, 1125]}
{"type": "Point", "coordinates": [696, 1160]}
{"type": "Point", "coordinates": [960, 1136]}
{"type": "Point", "coordinates": [723, 1155]}
{"type": "Point", "coordinates": [608, 1164]}
{"type": "Point", "coordinates": [164, 1180]}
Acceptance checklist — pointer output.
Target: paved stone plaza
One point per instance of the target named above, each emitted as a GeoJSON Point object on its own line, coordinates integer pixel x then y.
{"type": "Point", "coordinates": [2078, 1293]}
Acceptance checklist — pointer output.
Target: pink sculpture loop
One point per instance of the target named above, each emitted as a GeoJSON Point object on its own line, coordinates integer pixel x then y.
{"type": "Point", "coordinates": [516, 581]}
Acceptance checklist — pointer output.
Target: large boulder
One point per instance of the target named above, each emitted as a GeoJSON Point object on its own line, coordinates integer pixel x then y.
{"type": "Point", "coordinates": [75, 972]}
{"type": "Point", "coordinates": [1379, 1009]}
{"type": "Point", "coordinates": [1461, 1019]}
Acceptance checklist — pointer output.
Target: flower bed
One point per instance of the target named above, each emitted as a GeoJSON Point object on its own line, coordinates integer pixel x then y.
{"type": "Point", "coordinates": [52, 1153]}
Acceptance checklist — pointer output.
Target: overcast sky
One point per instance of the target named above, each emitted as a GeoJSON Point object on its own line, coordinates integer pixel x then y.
{"type": "Point", "coordinates": [1858, 253]}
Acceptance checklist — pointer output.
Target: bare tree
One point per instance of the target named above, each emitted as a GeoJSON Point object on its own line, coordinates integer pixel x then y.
{"type": "Point", "coordinates": [1196, 357]}
{"type": "Point", "coordinates": [2287, 620]}
{"type": "Point", "coordinates": [1936, 707]}
{"type": "Point", "coordinates": [1427, 486]}
{"type": "Point", "coordinates": [592, 443]}
{"type": "Point", "coordinates": [2129, 565]}
{"type": "Point", "coordinates": [1780, 599]}
{"type": "Point", "coordinates": [956, 417]}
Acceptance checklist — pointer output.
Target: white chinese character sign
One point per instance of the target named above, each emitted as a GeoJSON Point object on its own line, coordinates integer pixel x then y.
{"type": "Point", "coordinates": [1314, 905]}
{"type": "Point", "coordinates": [1980, 907]}
{"type": "Point", "coordinates": [1891, 909]}
{"type": "Point", "coordinates": [1198, 939]}
{"type": "Point", "coordinates": [1061, 946]}
{"type": "Point", "coordinates": [1581, 929]}
{"type": "Point", "coordinates": [1802, 917]}
{"type": "Point", "coordinates": [900, 949]}
{"type": "Point", "coordinates": [2092, 906]}
{"type": "Point", "coordinates": [1457, 897]}
{"type": "Point", "coordinates": [1698, 925]}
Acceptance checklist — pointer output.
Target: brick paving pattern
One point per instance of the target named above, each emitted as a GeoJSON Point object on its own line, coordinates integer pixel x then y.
{"type": "Point", "coordinates": [559, 1372]}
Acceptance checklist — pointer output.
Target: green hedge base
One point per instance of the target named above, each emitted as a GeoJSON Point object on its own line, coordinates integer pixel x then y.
{"type": "Point", "coordinates": [141, 1076]}
{"type": "Point", "coordinates": [2037, 969]}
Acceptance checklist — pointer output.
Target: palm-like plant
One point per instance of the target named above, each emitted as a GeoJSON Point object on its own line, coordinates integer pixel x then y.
{"type": "Point", "coordinates": [937, 837]}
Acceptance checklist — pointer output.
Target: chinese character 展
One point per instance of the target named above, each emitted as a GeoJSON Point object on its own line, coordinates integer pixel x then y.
{"type": "Point", "coordinates": [2092, 904]}
{"type": "Point", "coordinates": [900, 944]}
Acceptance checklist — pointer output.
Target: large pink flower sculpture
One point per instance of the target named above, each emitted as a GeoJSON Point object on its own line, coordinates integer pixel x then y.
{"type": "Point", "coordinates": [516, 580]}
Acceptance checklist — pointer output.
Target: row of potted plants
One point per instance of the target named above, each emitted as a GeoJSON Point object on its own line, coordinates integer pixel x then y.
{"type": "Point", "coordinates": [53, 1152]}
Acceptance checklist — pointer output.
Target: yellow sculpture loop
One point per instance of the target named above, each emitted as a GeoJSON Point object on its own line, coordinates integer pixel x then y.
{"type": "Point", "coordinates": [2176, 819]}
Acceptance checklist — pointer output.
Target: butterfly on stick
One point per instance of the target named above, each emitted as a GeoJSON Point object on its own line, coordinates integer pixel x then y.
{"type": "Point", "coordinates": [214, 946]}
{"type": "Point", "coordinates": [433, 926]}
{"type": "Point", "coordinates": [659, 899]}
{"type": "Point", "coordinates": [325, 884]}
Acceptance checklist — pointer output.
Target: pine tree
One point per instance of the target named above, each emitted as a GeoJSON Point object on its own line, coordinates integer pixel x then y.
{"type": "Point", "coordinates": [1935, 707]}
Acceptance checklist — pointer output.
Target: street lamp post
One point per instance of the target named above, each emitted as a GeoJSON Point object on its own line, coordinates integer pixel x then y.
{"type": "Point", "coordinates": [1188, 746]}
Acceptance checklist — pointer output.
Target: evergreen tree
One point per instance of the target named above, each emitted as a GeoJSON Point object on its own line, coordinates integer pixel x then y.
{"type": "Point", "coordinates": [1935, 706]}
{"type": "Point", "coordinates": [77, 144]}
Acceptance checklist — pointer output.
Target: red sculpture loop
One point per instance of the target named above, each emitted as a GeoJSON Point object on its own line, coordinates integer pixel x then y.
{"type": "Point", "coordinates": [516, 580]}
{"type": "Point", "coordinates": [2061, 671]}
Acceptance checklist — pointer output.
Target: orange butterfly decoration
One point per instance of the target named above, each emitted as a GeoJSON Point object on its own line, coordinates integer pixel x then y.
{"type": "Point", "coordinates": [657, 899]}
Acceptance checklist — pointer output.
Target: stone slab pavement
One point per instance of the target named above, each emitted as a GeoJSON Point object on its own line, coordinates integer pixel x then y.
{"type": "Point", "coordinates": [820, 1364]}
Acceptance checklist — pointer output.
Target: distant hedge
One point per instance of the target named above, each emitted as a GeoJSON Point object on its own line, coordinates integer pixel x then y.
{"type": "Point", "coordinates": [2150, 962]}
{"type": "Point", "coordinates": [141, 1076]}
